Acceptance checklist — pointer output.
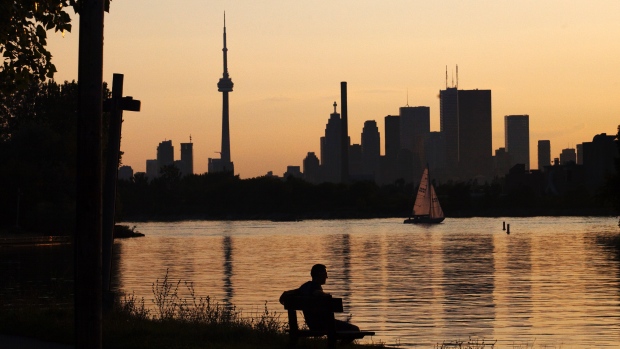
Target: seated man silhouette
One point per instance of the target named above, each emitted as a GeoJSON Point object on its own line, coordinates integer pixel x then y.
{"type": "Point", "coordinates": [319, 320]}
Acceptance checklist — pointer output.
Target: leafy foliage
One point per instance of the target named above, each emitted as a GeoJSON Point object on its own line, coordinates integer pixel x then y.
{"type": "Point", "coordinates": [23, 37]}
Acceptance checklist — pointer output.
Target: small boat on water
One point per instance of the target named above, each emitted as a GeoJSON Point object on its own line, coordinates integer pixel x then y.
{"type": "Point", "coordinates": [426, 208]}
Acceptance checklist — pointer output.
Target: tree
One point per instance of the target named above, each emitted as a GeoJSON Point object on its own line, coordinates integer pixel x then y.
{"type": "Point", "coordinates": [23, 39]}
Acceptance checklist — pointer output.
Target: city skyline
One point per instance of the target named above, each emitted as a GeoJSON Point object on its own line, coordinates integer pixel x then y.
{"type": "Point", "coordinates": [548, 61]}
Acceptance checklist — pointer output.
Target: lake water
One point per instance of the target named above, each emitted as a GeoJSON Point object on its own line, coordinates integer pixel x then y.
{"type": "Point", "coordinates": [552, 282]}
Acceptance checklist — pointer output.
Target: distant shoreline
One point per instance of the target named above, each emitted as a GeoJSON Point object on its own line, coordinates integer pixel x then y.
{"type": "Point", "coordinates": [286, 217]}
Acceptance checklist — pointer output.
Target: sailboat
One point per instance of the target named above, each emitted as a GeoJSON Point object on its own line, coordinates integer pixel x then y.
{"type": "Point", "coordinates": [426, 208]}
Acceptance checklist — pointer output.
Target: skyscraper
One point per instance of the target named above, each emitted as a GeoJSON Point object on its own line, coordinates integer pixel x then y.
{"type": "Point", "coordinates": [165, 154]}
{"type": "Point", "coordinates": [225, 85]}
{"type": "Point", "coordinates": [517, 138]}
{"type": "Point", "coordinates": [371, 149]}
{"type": "Point", "coordinates": [415, 128]}
{"type": "Point", "coordinates": [392, 136]}
{"type": "Point", "coordinates": [152, 170]}
{"type": "Point", "coordinates": [475, 148]}
{"type": "Point", "coordinates": [544, 154]}
{"type": "Point", "coordinates": [187, 158]}
{"type": "Point", "coordinates": [392, 146]}
{"type": "Point", "coordinates": [330, 149]}
{"type": "Point", "coordinates": [449, 124]}
{"type": "Point", "coordinates": [568, 155]}
{"type": "Point", "coordinates": [311, 168]}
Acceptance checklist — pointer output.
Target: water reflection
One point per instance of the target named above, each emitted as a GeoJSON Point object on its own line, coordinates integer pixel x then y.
{"type": "Point", "coordinates": [227, 247]}
{"type": "Point", "coordinates": [549, 281]}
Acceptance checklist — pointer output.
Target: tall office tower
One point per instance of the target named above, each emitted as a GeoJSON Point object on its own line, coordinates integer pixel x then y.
{"type": "Point", "coordinates": [152, 170]}
{"type": "Point", "coordinates": [567, 156]}
{"type": "Point", "coordinates": [449, 125]}
{"type": "Point", "coordinates": [599, 158]}
{"type": "Point", "coordinates": [517, 138]}
{"type": "Point", "coordinates": [312, 168]}
{"type": "Point", "coordinates": [544, 154]}
{"type": "Point", "coordinates": [392, 136]}
{"type": "Point", "coordinates": [330, 149]}
{"type": "Point", "coordinates": [435, 153]}
{"type": "Point", "coordinates": [371, 149]}
{"type": "Point", "coordinates": [187, 158]}
{"type": "Point", "coordinates": [415, 127]}
{"type": "Point", "coordinates": [580, 154]}
{"type": "Point", "coordinates": [225, 85]}
{"type": "Point", "coordinates": [474, 133]}
{"type": "Point", "coordinates": [501, 163]}
{"type": "Point", "coordinates": [356, 169]}
{"type": "Point", "coordinates": [389, 169]}
{"type": "Point", "coordinates": [165, 155]}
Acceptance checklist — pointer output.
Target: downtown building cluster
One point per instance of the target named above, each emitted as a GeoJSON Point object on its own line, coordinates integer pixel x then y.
{"type": "Point", "coordinates": [461, 151]}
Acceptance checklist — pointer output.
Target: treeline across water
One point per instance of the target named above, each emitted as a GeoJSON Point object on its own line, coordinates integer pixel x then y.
{"type": "Point", "coordinates": [223, 196]}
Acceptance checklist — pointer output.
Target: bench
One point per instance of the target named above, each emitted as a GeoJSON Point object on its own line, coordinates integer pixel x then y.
{"type": "Point", "coordinates": [293, 302]}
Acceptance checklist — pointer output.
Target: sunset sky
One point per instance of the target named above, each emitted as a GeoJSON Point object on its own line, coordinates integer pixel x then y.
{"type": "Point", "coordinates": [557, 61]}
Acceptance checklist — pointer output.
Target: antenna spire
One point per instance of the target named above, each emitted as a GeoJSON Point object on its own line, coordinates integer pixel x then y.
{"type": "Point", "coordinates": [457, 76]}
{"type": "Point", "coordinates": [407, 98]}
{"type": "Point", "coordinates": [335, 105]}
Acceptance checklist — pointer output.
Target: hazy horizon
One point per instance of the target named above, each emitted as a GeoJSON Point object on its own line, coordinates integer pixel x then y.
{"type": "Point", "coordinates": [554, 61]}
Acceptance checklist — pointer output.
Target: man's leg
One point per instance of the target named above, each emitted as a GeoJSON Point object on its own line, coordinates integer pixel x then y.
{"type": "Point", "coordinates": [345, 326]}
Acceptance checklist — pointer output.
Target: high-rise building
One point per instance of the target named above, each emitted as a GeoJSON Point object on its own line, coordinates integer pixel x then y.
{"type": "Point", "coordinates": [225, 85]}
{"type": "Point", "coordinates": [312, 168]}
{"type": "Point", "coordinates": [165, 154]}
{"type": "Point", "coordinates": [544, 154]}
{"type": "Point", "coordinates": [187, 158]}
{"type": "Point", "coordinates": [435, 151]}
{"type": "Point", "coordinates": [580, 154]}
{"type": "Point", "coordinates": [475, 148]}
{"type": "Point", "coordinates": [392, 136]}
{"type": "Point", "coordinates": [152, 169]}
{"type": "Point", "coordinates": [599, 158]}
{"type": "Point", "coordinates": [466, 125]}
{"type": "Point", "coordinates": [356, 169]}
{"type": "Point", "coordinates": [449, 124]}
{"type": "Point", "coordinates": [371, 149]}
{"type": "Point", "coordinates": [392, 146]}
{"type": "Point", "coordinates": [330, 149]}
{"type": "Point", "coordinates": [502, 163]}
{"type": "Point", "coordinates": [567, 156]}
{"type": "Point", "coordinates": [415, 127]}
{"type": "Point", "coordinates": [517, 138]}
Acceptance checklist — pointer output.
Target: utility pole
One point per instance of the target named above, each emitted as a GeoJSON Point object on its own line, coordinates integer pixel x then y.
{"type": "Point", "coordinates": [115, 106]}
{"type": "Point", "coordinates": [87, 246]}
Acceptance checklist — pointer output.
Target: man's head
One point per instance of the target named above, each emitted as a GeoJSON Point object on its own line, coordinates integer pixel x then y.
{"type": "Point", "coordinates": [319, 273]}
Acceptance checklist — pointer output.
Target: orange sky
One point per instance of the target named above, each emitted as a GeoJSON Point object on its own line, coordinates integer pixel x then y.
{"type": "Point", "coordinates": [553, 60]}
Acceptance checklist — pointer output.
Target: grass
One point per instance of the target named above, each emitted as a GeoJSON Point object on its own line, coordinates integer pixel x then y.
{"type": "Point", "coordinates": [175, 321]}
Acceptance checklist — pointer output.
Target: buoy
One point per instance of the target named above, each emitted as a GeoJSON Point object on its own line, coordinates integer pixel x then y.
{"type": "Point", "coordinates": [508, 230]}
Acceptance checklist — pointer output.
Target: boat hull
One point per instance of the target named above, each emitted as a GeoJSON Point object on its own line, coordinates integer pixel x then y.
{"type": "Point", "coordinates": [423, 220]}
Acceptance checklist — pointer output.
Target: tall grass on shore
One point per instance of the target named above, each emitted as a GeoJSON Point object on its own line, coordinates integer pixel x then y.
{"type": "Point", "coordinates": [178, 319]}
{"type": "Point", "coordinates": [185, 320]}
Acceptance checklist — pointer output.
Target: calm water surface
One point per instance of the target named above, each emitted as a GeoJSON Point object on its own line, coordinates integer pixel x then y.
{"type": "Point", "coordinates": [553, 282]}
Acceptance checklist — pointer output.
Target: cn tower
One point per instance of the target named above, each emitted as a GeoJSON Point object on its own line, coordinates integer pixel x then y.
{"type": "Point", "coordinates": [225, 85]}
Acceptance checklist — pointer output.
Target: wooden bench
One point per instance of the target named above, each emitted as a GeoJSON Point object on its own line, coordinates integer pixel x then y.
{"type": "Point", "coordinates": [293, 302]}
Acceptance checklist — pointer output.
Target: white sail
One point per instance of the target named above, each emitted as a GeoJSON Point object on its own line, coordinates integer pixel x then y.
{"type": "Point", "coordinates": [436, 211]}
{"type": "Point", "coordinates": [422, 205]}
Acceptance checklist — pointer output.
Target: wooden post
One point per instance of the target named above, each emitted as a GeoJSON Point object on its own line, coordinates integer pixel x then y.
{"type": "Point", "coordinates": [508, 229]}
{"type": "Point", "coordinates": [504, 225]}
{"type": "Point", "coordinates": [87, 245]}
{"type": "Point", "coordinates": [115, 106]}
